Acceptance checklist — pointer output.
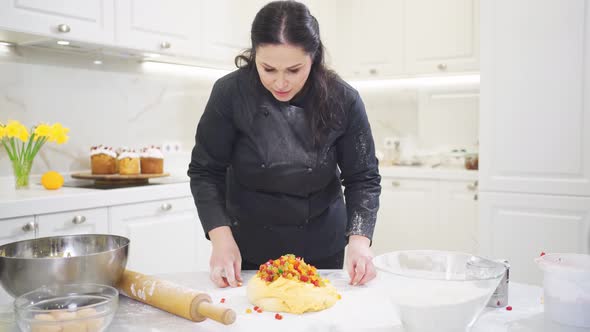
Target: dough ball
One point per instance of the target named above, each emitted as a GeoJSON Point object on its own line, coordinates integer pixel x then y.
{"type": "Point", "coordinates": [43, 323]}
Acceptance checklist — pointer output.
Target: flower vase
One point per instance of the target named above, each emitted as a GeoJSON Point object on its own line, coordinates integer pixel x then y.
{"type": "Point", "coordinates": [22, 170]}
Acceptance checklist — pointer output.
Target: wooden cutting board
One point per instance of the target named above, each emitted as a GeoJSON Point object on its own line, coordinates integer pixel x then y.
{"type": "Point", "coordinates": [117, 178]}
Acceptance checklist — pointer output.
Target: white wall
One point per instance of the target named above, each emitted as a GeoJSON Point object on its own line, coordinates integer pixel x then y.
{"type": "Point", "coordinates": [123, 103]}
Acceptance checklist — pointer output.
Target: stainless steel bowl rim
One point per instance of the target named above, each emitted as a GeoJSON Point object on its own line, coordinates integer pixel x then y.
{"type": "Point", "coordinates": [384, 269]}
{"type": "Point", "coordinates": [126, 240]}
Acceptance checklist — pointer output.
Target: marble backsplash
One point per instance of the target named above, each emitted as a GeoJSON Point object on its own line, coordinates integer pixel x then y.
{"type": "Point", "coordinates": [116, 104]}
{"type": "Point", "coordinates": [120, 103]}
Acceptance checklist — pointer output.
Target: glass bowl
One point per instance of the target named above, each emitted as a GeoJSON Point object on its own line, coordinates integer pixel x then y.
{"type": "Point", "coordinates": [437, 290]}
{"type": "Point", "coordinates": [74, 307]}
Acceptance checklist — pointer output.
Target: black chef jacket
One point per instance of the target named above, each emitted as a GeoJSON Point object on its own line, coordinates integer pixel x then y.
{"type": "Point", "coordinates": [256, 169]}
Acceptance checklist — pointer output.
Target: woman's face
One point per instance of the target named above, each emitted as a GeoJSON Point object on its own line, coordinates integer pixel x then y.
{"type": "Point", "coordinates": [283, 69]}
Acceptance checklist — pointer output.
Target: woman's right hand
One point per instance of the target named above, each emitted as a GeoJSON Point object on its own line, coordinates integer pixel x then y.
{"type": "Point", "coordinates": [226, 261]}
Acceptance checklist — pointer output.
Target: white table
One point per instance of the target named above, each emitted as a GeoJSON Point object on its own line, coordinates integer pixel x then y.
{"type": "Point", "coordinates": [361, 309]}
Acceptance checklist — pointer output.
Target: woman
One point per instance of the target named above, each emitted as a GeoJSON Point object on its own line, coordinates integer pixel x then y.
{"type": "Point", "coordinates": [278, 139]}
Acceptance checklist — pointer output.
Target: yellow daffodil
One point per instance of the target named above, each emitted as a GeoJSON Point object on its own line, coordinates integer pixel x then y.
{"type": "Point", "coordinates": [16, 129]}
{"type": "Point", "coordinates": [42, 130]}
{"type": "Point", "coordinates": [22, 147]}
{"type": "Point", "coordinates": [59, 133]}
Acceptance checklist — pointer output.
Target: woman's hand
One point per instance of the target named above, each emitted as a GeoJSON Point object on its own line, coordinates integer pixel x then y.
{"type": "Point", "coordinates": [359, 261]}
{"type": "Point", "coordinates": [226, 261]}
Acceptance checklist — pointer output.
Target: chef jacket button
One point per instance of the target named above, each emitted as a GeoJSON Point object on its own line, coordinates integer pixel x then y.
{"type": "Point", "coordinates": [301, 227]}
{"type": "Point", "coordinates": [235, 223]}
{"type": "Point", "coordinates": [309, 170]}
{"type": "Point", "coordinates": [266, 113]}
{"type": "Point", "coordinates": [263, 165]}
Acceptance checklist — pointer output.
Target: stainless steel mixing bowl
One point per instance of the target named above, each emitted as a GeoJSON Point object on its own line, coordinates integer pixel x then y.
{"type": "Point", "coordinates": [59, 260]}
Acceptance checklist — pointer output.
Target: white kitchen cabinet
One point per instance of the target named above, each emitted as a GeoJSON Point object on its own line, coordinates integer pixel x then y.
{"type": "Point", "coordinates": [441, 36]}
{"type": "Point", "coordinates": [334, 17]}
{"type": "Point", "coordinates": [17, 229]}
{"type": "Point", "coordinates": [88, 221]}
{"type": "Point", "coordinates": [535, 101]}
{"type": "Point", "coordinates": [159, 26]}
{"type": "Point", "coordinates": [407, 215]}
{"type": "Point", "coordinates": [457, 217]}
{"type": "Point", "coordinates": [535, 131]}
{"type": "Point", "coordinates": [88, 21]}
{"type": "Point", "coordinates": [225, 29]}
{"type": "Point", "coordinates": [376, 38]}
{"type": "Point", "coordinates": [165, 236]}
{"type": "Point", "coordinates": [518, 227]}
{"type": "Point", "coordinates": [427, 214]}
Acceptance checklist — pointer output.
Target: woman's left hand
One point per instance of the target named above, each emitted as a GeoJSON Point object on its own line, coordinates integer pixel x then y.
{"type": "Point", "coordinates": [359, 261]}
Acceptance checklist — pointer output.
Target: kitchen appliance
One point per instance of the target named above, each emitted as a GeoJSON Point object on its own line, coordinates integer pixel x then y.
{"type": "Point", "coordinates": [75, 307]}
{"type": "Point", "coordinates": [566, 287]}
{"type": "Point", "coordinates": [59, 260]}
{"type": "Point", "coordinates": [437, 290]}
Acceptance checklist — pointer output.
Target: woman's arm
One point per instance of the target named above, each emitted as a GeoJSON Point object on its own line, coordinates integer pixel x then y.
{"type": "Point", "coordinates": [210, 159]}
{"type": "Point", "coordinates": [361, 180]}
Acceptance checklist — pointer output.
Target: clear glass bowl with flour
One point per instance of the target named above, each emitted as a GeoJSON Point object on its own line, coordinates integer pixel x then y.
{"type": "Point", "coordinates": [436, 290]}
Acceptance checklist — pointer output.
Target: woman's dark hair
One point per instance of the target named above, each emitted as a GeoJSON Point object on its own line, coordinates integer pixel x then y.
{"type": "Point", "coordinates": [290, 22]}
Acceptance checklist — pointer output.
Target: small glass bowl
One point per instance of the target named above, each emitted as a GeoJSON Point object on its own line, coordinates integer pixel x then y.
{"type": "Point", "coordinates": [74, 307]}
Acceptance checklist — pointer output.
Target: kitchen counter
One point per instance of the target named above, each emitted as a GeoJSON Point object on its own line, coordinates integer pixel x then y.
{"type": "Point", "coordinates": [361, 309]}
{"type": "Point", "coordinates": [428, 173]}
{"type": "Point", "coordinates": [37, 200]}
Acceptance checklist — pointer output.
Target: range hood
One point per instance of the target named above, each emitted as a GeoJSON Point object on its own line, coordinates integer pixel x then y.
{"type": "Point", "coordinates": [97, 51]}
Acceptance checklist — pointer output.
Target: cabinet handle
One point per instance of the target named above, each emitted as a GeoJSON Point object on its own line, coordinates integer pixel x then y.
{"type": "Point", "coordinates": [373, 71]}
{"type": "Point", "coordinates": [473, 186]}
{"type": "Point", "coordinates": [441, 66]}
{"type": "Point", "coordinates": [63, 28]}
{"type": "Point", "coordinates": [78, 220]}
{"type": "Point", "coordinates": [165, 45]}
{"type": "Point", "coordinates": [30, 226]}
{"type": "Point", "coordinates": [166, 207]}
{"type": "Point", "coordinates": [475, 197]}
{"type": "Point", "coordinates": [395, 183]}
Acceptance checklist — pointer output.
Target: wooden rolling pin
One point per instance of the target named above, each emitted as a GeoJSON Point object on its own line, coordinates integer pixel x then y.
{"type": "Point", "coordinates": [173, 298]}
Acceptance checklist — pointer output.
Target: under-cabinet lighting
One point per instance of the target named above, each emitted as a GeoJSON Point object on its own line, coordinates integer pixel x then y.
{"type": "Point", "coordinates": [416, 82]}
{"type": "Point", "coordinates": [151, 55]}
{"type": "Point", "coordinates": [63, 42]}
{"type": "Point", "coordinates": [6, 43]}
{"type": "Point", "coordinates": [181, 69]}
{"type": "Point", "coordinates": [97, 62]}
